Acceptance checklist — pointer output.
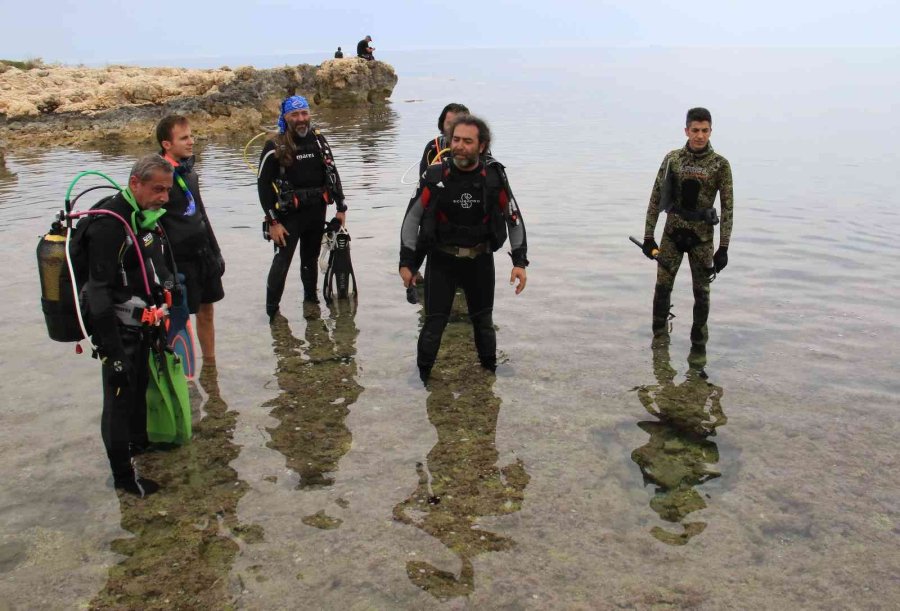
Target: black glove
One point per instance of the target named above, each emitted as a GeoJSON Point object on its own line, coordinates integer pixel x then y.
{"type": "Point", "coordinates": [221, 263]}
{"type": "Point", "coordinates": [649, 247]}
{"type": "Point", "coordinates": [720, 259]}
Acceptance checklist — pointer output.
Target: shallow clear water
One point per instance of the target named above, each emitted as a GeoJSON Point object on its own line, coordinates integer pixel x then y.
{"type": "Point", "coordinates": [585, 474]}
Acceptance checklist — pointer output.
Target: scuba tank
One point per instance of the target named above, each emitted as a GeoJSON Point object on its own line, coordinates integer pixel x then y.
{"type": "Point", "coordinates": [58, 272]}
{"type": "Point", "coordinates": [57, 293]}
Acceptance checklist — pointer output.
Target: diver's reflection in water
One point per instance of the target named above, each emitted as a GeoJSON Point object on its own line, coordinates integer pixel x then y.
{"type": "Point", "coordinates": [678, 456]}
{"type": "Point", "coordinates": [187, 535]}
{"type": "Point", "coordinates": [460, 481]}
{"type": "Point", "coordinates": [317, 378]}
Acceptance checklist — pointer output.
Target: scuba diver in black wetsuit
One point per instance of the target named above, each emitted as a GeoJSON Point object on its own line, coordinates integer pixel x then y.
{"type": "Point", "coordinates": [459, 217]}
{"type": "Point", "coordinates": [435, 149]}
{"type": "Point", "coordinates": [297, 180]}
{"type": "Point", "coordinates": [116, 298]}
{"type": "Point", "coordinates": [434, 152]}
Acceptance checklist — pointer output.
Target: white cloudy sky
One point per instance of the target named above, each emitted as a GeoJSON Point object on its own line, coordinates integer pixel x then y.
{"type": "Point", "coordinates": [115, 30]}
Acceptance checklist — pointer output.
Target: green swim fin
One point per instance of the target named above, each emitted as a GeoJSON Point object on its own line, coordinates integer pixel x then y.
{"type": "Point", "coordinates": [168, 402]}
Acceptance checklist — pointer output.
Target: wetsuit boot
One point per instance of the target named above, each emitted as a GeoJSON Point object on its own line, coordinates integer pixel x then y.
{"type": "Point", "coordinates": [699, 330]}
{"type": "Point", "coordinates": [430, 343]}
{"type": "Point", "coordinates": [485, 339]}
{"type": "Point", "coordinates": [273, 298]}
{"type": "Point", "coordinates": [309, 275]}
{"type": "Point", "coordinates": [661, 307]}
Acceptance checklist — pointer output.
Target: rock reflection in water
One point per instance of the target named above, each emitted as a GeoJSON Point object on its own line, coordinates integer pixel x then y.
{"type": "Point", "coordinates": [187, 534]}
{"type": "Point", "coordinates": [317, 378]}
{"type": "Point", "coordinates": [678, 456]}
{"type": "Point", "coordinates": [460, 480]}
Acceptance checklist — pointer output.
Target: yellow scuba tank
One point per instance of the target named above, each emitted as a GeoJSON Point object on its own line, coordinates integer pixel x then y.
{"type": "Point", "coordinates": [57, 294]}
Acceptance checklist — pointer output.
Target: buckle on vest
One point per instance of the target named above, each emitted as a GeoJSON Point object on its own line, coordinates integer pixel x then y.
{"type": "Point", "coordinates": [464, 252]}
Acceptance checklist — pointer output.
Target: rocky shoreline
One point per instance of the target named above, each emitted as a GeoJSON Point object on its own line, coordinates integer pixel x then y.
{"type": "Point", "coordinates": [49, 105]}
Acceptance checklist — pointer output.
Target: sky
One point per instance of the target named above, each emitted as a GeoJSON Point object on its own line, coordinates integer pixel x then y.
{"type": "Point", "coordinates": [108, 31]}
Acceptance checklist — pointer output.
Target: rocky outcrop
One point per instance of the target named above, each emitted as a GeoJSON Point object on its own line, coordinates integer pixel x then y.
{"type": "Point", "coordinates": [354, 81]}
{"type": "Point", "coordinates": [66, 105]}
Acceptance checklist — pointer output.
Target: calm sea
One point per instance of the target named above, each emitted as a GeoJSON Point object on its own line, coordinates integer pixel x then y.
{"type": "Point", "coordinates": [592, 472]}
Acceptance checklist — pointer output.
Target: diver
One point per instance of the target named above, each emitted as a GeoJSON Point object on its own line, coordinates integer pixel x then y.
{"type": "Point", "coordinates": [116, 301]}
{"type": "Point", "coordinates": [434, 152]}
{"type": "Point", "coordinates": [686, 187]}
{"type": "Point", "coordinates": [436, 148]}
{"type": "Point", "coordinates": [194, 245]}
{"type": "Point", "coordinates": [297, 179]}
{"type": "Point", "coordinates": [678, 456]}
{"type": "Point", "coordinates": [459, 217]}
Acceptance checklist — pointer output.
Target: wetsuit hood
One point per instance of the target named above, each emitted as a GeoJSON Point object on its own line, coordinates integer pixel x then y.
{"type": "Point", "coordinates": [706, 150]}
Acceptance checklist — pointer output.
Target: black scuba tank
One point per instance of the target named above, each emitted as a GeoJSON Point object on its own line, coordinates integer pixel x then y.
{"type": "Point", "coordinates": [57, 293]}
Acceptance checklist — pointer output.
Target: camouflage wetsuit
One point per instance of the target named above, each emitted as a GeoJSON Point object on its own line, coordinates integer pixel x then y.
{"type": "Point", "coordinates": [695, 179]}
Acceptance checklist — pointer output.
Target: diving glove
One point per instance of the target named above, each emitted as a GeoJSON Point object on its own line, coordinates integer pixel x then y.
{"type": "Point", "coordinates": [650, 248]}
{"type": "Point", "coordinates": [720, 259]}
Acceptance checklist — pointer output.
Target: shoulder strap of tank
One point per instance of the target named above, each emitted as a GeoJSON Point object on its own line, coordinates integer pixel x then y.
{"type": "Point", "coordinates": [499, 174]}
{"type": "Point", "coordinates": [324, 147]}
{"type": "Point", "coordinates": [434, 174]}
{"type": "Point", "coordinates": [495, 176]}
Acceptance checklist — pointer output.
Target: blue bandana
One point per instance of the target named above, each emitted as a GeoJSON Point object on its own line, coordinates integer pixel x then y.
{"type": "Point", "coordinates": [295, 102]}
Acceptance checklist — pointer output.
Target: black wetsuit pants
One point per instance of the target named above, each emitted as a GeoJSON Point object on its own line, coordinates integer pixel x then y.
{"type": "Point", "coordinates": [123, 424]}
{"type": "Point", "coordinates": [443, 274]}
{"type": "Point", "coordinates": [305, 227]}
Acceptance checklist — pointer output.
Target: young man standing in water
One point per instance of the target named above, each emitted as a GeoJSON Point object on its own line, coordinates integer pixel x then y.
{"type": "Point", "coordinates": [297, 180]}
{"type": "Point", "coordinates": [194, 245]}
{"type": "Point", "coordinates": [685, 188]}
{"type": "Point", "coordinates": [460, 215]}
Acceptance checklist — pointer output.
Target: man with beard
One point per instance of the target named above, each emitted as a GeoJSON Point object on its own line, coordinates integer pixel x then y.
{"type": "Point", "coordinates": [459, 217]}
{"type": "Point", "coordinates": [194, 245]}
{"type": "Point", "coordinates": [297, 180]}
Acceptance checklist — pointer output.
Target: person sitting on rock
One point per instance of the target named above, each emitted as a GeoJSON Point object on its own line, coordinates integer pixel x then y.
{"type": "Point", "coordinates": [364, 49]}
{"type": "Point", "coordinates": [339, 54]}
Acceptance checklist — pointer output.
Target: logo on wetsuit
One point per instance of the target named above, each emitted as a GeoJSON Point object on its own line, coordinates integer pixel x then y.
{"type": "Point", "coordinates": [465, 201]}
{"type": "Point", "coordinates": [694, 171]}
{"type": "Point", "coordinates": [148, 240]}
{"type": "Point", "coordinates": [302, 156]}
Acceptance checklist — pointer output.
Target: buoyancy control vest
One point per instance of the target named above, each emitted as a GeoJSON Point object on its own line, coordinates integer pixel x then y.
{"type": "Point", "coordinates": [464, 208]}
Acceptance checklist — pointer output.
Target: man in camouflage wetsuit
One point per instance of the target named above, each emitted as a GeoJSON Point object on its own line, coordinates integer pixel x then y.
{"type": "Point", "coordinates": [685, 188]}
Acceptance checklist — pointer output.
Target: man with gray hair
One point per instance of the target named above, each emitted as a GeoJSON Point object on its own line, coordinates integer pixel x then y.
{"type": "Point", "coordinates": [116, 297]}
